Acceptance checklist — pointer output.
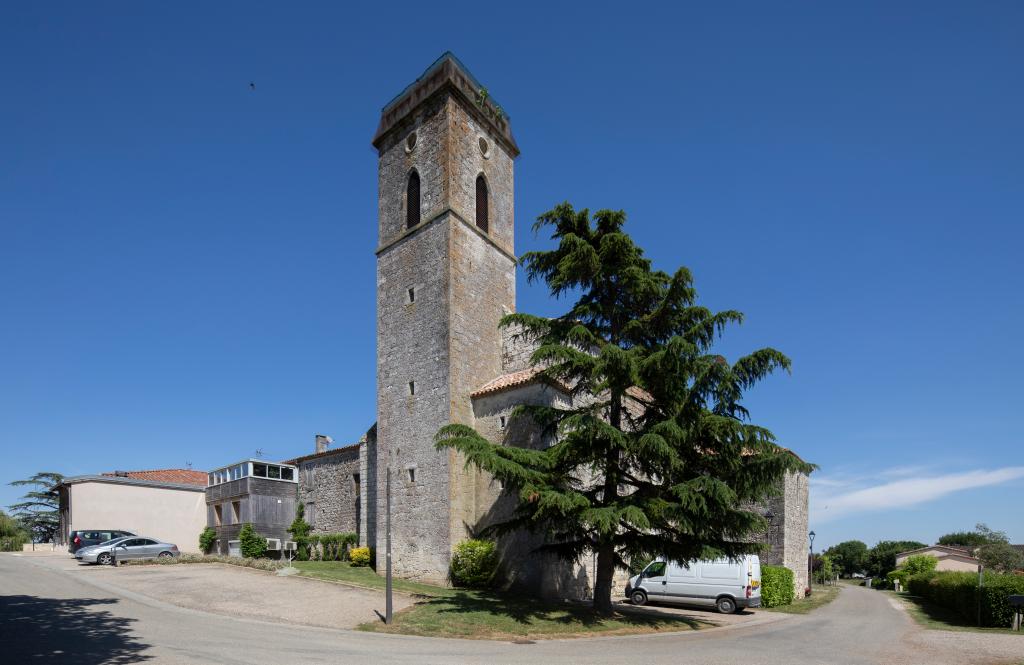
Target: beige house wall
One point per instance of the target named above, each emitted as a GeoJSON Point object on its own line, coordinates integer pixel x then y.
{"type": "Point", "coordinates": [957, 564]}
{"type": "Point", "coordinates": [171, 515]}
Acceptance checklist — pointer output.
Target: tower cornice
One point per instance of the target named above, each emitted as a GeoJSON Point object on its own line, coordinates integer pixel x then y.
{"type": "Point", "coordinates": [447, 74]}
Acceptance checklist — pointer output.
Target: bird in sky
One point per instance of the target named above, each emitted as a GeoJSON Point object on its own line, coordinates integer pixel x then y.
{"type": "Point", "coordinates": [252, 85]}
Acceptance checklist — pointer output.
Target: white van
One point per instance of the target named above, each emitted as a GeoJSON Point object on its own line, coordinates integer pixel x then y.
{"type": "Point", "coordinates": [726, 584]}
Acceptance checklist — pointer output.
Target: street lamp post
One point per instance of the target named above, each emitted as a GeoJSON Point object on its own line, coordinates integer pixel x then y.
{"type": "Point", "coordinates": [810, 572]}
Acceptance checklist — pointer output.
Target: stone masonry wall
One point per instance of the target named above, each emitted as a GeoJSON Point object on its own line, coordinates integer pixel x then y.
{"type": "Point", "coordinates": [329, 484]}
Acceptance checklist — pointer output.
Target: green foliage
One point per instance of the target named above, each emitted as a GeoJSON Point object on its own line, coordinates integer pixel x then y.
{"type": "Point", "coordinates": [776, 586]}
{"type": "Point", "coordinates": [474, 564]}
{"type": "Point", "coordinates": [359, 556]}
{"type": "Point", "coordinates": [300, 533]}
{"type": "Point", "coordinates": [959, 592]}
{"type": "Point", "coordinates": [656, 455]}
{"type": "Point", "coordinates": [335, 546]}
{"type": "Point", "coordinates": [13, 534]}
{"type": "Point", "coordinates": [825, 570]}
{"type": "Point", "coordinates": [207, 538]}
{"type": "Point", "coordinates": [848, 557]}
{"type": "Point", "coordinates": [253, 544]}
{"type": "Point", "coordinates": [918, 564]}
{"type": "Point", "coordinates": [1001, 557]}
{"type": "Point", "coordinates": [982, 535]}
{"type": "Point", "coordinates": [881, 559]}
{"type": "Point", "coordinates": [40, 509]}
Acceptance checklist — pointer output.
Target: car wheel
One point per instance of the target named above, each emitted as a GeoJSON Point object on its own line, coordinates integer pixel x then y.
{"type": "Point", "coordinates": [164, 555]}
{"type": "Point", "coordinates": [638, 598]}
{"type": "Point", "coordinates": [726, 605]}
{"type": "Point", "coordinates": [104, 559]}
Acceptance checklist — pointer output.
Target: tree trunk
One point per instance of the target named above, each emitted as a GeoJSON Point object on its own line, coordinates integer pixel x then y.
{"type": "Point", "coordinates": [603, 579]}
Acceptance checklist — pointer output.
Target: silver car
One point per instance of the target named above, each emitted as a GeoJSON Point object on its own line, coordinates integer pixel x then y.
{"type": "Point", "coordinates": [131, 547]}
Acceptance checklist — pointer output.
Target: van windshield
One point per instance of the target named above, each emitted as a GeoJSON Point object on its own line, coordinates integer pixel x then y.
{"type": "Point", "coordinates": [655, 569]}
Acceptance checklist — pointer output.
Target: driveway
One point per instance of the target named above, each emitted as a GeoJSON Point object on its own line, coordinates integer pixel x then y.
{"type": "Point", "coordinates": [49, 613]}
{"type": "Point", "coordinates": [241, 592]}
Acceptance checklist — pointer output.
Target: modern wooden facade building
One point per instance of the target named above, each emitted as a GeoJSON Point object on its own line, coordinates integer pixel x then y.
{"type": "Point", "coordinates": [263, 493]}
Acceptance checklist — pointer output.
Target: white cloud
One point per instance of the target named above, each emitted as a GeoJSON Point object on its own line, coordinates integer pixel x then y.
{"type": "Point", "coordinates": [901, 493]}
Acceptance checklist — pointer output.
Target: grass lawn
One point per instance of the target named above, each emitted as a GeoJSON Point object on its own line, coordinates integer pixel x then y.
{"type": "Point", "coordinates": [821, 595]}
{"type": "Point", "coordinates": [446, 612]}
{"type": "Point", "coordinates": [937, 617]}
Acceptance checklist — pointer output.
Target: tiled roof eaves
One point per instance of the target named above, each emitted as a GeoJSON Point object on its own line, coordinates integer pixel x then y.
{"type": "Point", "coordinates": [326, 453]}
{"type": "Point", "coordinates": [119, 480]}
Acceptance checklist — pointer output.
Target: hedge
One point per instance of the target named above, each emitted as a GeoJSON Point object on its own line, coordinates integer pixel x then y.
{"type": "Point", "coordinates": [959, 592]}
{"type": "Point", "coordinates": [474, 564]}
{"type": "Point", "coordinates": [776, 586]}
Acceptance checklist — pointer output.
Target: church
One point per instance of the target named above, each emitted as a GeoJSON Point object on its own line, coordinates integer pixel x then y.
{"type": "Point", "coordinates": [446, 274]}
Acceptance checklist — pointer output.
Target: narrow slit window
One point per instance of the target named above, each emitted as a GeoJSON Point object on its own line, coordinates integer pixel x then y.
{"type": "Point", "coordinates": [501, 422]}
{"type": "Point", "coordinates": [412, 387]}
{"type": "Point", "coordinates": [412, 201]}
{"type": "Point", "coordinates": [481, 203]}
{"type": "Point", "coordinates": [412, 475]}
{"type": "Point", "coordinates": [412, 295]}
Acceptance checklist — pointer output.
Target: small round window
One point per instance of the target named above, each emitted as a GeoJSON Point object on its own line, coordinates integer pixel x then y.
{"type": "Point", "coordinates": [485, 148]}
{"type": "Point", "coordinates": [410, 142]}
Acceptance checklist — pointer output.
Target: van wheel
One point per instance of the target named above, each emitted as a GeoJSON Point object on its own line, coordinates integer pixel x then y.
{"type": "Point", "coordinates": [103, 559]}
{"type": "Point", "coordinates": [726, 605]}
{"type": "Point", "coordinates": [638, 598]}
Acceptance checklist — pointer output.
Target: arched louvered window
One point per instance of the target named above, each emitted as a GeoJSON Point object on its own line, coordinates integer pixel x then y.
{"type": "Point", "coordinates": [412, 201]}
{"type": "Point", "coordinates": [481, 203]}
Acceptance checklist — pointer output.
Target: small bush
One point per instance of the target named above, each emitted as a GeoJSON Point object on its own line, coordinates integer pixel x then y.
{"type": "Point", "coordinates": [359, 556]}
{"type": "Point", "coordinates": [335, 546]}
{"type": "Point", "coordinates": [474, 564]}
{"type": "Point", "coordinates": [207, 538]}
{"type": "Point", "coordinates": [253, 544]}
{"type": "Point", "coordinates": [776, 586]}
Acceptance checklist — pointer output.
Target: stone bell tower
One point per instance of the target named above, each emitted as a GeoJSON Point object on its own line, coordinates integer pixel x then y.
{"type": "Point", "coordinates": [445, 277]}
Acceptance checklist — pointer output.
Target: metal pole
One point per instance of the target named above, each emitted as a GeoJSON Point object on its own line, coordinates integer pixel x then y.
{"type": "Point", "coordinates": [980, 582]}
{"type": "Point", "coordinates": [387, 546]}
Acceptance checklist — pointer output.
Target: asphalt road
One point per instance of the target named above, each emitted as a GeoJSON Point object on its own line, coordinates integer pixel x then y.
{"type": "Point", "coordinates": [52, 615]}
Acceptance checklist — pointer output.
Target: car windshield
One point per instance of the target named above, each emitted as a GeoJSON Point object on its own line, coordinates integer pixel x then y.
{"type": "Point", "coordinates": [656, 569]}
{"type": "Point", "coordinates": [113, 540]}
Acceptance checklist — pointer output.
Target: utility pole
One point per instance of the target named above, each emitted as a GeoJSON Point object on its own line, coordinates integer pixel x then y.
{"type": "Point", "coordinates": [387, 549]}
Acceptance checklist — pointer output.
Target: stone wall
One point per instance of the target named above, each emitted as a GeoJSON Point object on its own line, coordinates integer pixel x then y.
{"type": "Point", "coordinates": [329, 488]}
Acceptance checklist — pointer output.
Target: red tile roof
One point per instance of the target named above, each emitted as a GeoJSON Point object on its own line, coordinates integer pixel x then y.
{"type": "Point", "coordinates": [514, 380]}
{"type": "Point", "coordinates": [179, 476]}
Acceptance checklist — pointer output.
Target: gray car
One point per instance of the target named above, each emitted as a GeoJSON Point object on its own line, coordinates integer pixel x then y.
{"type": "Point", "coordinates": [132, 547]}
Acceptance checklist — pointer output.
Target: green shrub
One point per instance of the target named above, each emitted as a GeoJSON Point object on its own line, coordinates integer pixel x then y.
{"type": "Point", "coordinates": [776, 586]}
{"type": "Point", "coordinates": [207, 538]}
{"type": "Point", "coordinates": [13, 533]}
{"type": "Point", "coordinates": [253, 544]}
{"type": "Point", "coordinates": [474, 564]}
{"type": "Point", "coordinates": [959, 592]}
{"type": "Point", "coordinates": [359, 556]}
{"type": "Point", "coordinates": [335, 546]}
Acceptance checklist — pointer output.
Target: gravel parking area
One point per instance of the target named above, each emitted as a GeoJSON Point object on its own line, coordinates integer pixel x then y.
{"type": "Point", "coordinates": [242, 592]}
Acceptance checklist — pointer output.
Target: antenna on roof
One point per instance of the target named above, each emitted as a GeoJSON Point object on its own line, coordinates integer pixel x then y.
{"type": "Point", "coordinates": [259, 452]}
{"type": "Point", "coordinates": [188, 465]}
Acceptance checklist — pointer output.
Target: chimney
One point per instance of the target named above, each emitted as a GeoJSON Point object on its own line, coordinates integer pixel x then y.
{"type": "Point", "coordinates": [322, 441]}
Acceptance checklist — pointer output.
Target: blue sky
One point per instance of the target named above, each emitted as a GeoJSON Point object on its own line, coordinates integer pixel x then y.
{"type": "Point", "coordinates": [187, 268]}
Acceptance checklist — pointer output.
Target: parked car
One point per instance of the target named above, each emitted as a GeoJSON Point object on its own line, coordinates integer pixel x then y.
{"type": "Point", "coordinates": [132, 547]}
{"type": "Point", "coordinates": [725, 584]}
{"type": "Point", "coordinates": [80, 539]}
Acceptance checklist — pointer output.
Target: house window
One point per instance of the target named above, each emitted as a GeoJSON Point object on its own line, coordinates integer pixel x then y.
{"type": "Point", "coordinates": [259, 470]}
{"type": "Point", "coordinates": [217, 515]}
{"type": "Point", "coordinates": [412, 201]}
{"type": "Point", "coordinates": [501, 422]}
{"type": "Point", "coordinates": [411, 473]}
{"type": "Point", "coordinates": [287, 473]}
{"type": "Point", "coordinates": [481, 203]}
{"type": "Point", "coordinates": [412, 387]}
{"type": "Point", "coordinates": [236, 512]}
{"type": "Point", "coordinates": [412, 295]}
{"type": "Point", "coordinates": [355, 484]}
